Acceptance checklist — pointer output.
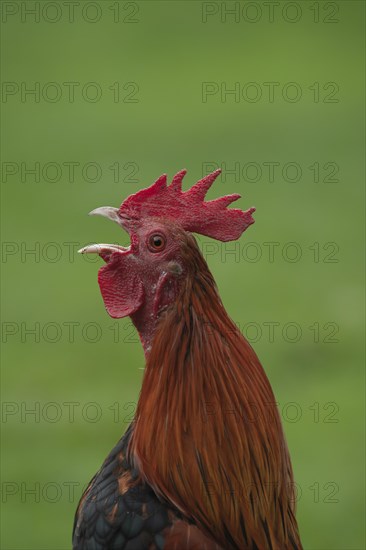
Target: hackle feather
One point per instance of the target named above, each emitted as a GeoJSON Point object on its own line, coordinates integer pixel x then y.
{"type": "Point", "coordinates": [207, 434]}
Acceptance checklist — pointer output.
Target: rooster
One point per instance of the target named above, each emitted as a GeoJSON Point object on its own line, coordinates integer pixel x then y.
{"type": "Point", "coordinates": [204, 465]}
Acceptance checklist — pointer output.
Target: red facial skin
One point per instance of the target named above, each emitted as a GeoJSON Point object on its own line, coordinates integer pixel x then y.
{"type": "Point", "coordinates": [143, 280]}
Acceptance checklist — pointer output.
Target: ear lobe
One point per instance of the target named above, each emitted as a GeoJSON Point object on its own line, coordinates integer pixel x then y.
{"type": "Point", "coordinates": [122, 291]}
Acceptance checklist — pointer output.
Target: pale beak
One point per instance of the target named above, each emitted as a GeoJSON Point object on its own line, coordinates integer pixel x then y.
{"type": "Point", "coordinates": [107, 212]}
{"type": "Point", "coordinates": [102, 248]}
{"type": "Point", "coordinates": [105, 250]}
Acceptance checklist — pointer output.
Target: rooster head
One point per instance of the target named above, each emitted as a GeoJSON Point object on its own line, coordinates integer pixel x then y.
{"type": "Point", "coordinates": [143, 279]}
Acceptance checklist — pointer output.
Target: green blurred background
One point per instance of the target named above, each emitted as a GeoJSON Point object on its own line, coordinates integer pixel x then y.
{"type": "Point", "coordinates": [161, 54]}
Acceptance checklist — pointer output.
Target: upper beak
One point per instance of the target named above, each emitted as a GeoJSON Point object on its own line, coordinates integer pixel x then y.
{"type": "Point", "coordinates": [108, 212]}
{"type": "Point", "coordinates": [105, 250]}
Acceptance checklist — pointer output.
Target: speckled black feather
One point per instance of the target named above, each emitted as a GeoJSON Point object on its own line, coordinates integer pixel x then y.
{"type": "Point", "coordinates": [106, 519]}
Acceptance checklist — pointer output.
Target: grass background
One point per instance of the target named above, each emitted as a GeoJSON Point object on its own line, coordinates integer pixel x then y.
{"type": "Point", "coordinates": [168, 52]}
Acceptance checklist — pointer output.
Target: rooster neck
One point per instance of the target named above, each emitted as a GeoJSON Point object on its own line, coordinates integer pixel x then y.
{"type": "Point", "coordinates": [145, 324]}
{"type": "Point", "coordinates": [157, 299]}
{"type": "Point", "coordinates": [207, 435]}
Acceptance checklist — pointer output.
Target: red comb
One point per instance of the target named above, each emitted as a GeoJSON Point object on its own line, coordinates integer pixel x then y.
{"type": "Point", "coordinates": [189, 209]}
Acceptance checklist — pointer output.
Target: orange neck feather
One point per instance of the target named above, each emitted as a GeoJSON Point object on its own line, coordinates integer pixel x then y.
{"type": "Point", "coordinates": [207, 435]}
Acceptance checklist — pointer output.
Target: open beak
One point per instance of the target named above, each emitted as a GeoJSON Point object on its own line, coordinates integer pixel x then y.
{"type": "Point", "coordinates": [105, 250]}
{"type": "Point", "coordinates": [119, 282]}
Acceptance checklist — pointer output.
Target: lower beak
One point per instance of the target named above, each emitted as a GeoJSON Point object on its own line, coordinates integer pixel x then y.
{"type": "Point", "coordinates": [104, 250]}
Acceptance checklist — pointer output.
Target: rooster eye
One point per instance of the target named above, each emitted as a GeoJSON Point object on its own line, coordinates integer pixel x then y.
{"type": "Point", "coordinates": [156, 243]}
